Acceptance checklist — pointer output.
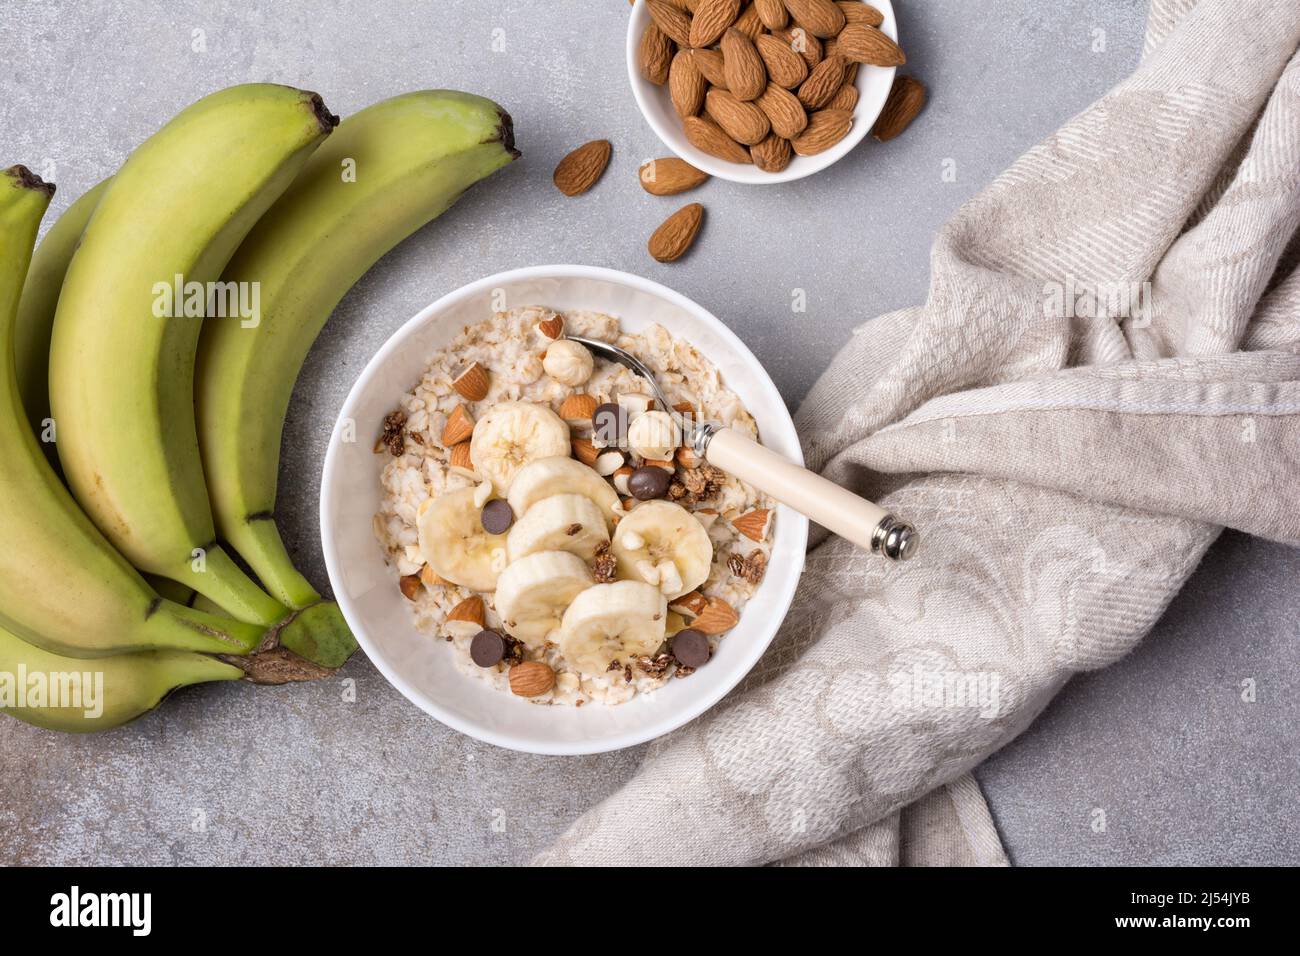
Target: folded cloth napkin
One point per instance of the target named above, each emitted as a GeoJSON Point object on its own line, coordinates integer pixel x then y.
{"type": "Point", "coordinates": [1106, 373]}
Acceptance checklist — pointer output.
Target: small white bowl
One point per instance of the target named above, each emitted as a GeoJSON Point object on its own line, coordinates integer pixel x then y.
{"type": "Point", "coordinates": [421, 666]}
{"type": "Point", "coordinates": [657, 107]}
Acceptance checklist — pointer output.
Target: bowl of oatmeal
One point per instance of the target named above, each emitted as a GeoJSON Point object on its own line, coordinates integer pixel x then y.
{"type": "Point", "coordinates": [517, 533]}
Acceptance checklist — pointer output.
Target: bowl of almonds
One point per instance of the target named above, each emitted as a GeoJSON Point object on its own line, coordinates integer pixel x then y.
{"type": "Point", "coordinates": [762, 91]}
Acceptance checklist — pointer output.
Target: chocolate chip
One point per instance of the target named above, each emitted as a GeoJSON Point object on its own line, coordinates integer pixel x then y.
{"type": "Point", "coordinates": [487, 648]}
{"type": "Point", "coordinates": [691, 648]}
{"type": "Point", "coordinates": [497, 516]}
{"type": "Point", "coordinates": [609, 425]}
{"type": "Point", "coordinates": [648, 481]}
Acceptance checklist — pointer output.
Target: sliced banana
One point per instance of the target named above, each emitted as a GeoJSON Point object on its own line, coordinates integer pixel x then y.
{"type": "Point", "coordinates": [454, 544]}
{"type": "Point", "coordinates": [613, 622]}
{"type": "Point", "coordinates": [570, 523]}
{"type": "Point", "coordinates": [561, 476]}
{"type": "Point", "coordinates": [511, 435]}
{"type": "Point", "coordinates": [533, 592]}
{"type": "Point", "coordinates": [662, 544]}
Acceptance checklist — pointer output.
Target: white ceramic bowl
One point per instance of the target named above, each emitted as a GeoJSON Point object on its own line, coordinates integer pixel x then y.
{"type": "Point", "coordinates": [420, 666]}
{"type": "Point", "coordinates": [656, 106]}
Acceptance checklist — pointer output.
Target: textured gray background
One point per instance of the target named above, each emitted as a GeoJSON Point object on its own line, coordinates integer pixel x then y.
{"type": "Point", "coordinates": [1185, 771]}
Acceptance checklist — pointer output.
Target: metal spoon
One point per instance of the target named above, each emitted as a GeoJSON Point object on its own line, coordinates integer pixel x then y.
{"type": "Point", "coordinates": [865, 524]}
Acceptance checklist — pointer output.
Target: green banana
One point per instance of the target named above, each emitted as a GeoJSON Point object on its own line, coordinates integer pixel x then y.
{"type": "Point", "coordinates": [36, 309]}
{"type": "Point", "coordinates": [108, 692]}
{"type": "Point", "coordinates": [62, 586]}
{"type": "Point", "coordinates": [410, 157]}
{"type": "Point", "coordinates": [122, 361]}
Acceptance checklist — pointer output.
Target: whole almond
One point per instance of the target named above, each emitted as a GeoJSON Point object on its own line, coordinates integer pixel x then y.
{"type": "Point", "coordinates": [846, 98]}
{"type": "Point", "coordinates": [685, 85]}
{"type": "Point", "coordinates": [429, 577]}
{"type": "Point", "coordinates": [711, 66]}
{"type": "Point", "coordinates": [717, 616]}
{"type": "Point", "coordinates": [866, 44]}
{"type": "Point", "coordinates": [671, 240]}
{"type": "Point", "coordinates": [906, 100]}
{"type": "Point", "coordinates": [459, 427]}
{"type": "Point", "coordinates": [773, 14]}
{"type": "Point", "coordinates": [675, 24]}
{"type": "Point", "coordinates": [578, 407]}
{"type": "Point", "coordinates": [825, 129]}
{"type": "Point", "coordinates": [584, 451]}
{"type": "Point", "coordinates": [552, 327]}
{"type": "Point", "coordinates": [712, 17]}
{"type": "Point", "coordinates": [753, 524]}
{"type": "Point", "coordinates": [458, 457]}
{"type": "Point", "coordinates": [470, 609]}
{"type": "Point", "coordinates": [670, 176]}
{"type": "Point", "coordinates": [855, 11]}
{"type": "Point", "coordinates": [531, 679]}
{"type": "Point", "coordinates": [772, 155]}
{"type": "Point", "coordinates": [411, 586]}
{"type": "Point", "coordinates": [784, 111]}
{"type": "Point", "coordinates": [822, 18]}
{"type": "Point", "coordinates": [823, 82]}
{"type": "Point", "coordinates": [655, 54]}
{"type": "Point", "coordinates": [802, 42]}
{"type": "Point", "coordinates": [743, 122]}
{"type": "Point", "coordinates": [742, 66]}
{"type": "Point", "coordinates": [785, 67]}
{"type": "Point", "coordinates": [473, 383]}
{"type": "Point", "coordinates": [708, 136]}
{"type": "Point", "coordinates": [579, 171]}
{"type": "Point", "coordinates": [748, 22]}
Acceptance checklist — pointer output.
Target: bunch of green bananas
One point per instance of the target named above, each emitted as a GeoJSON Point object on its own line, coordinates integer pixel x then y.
{"type": "Point", "coordinates": [167, 428]}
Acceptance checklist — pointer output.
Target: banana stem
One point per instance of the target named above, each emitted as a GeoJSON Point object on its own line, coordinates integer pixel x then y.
{"type": "Point", "coordinates": [225, 582]}
{"type": "Point", "coordinates": [259, 543]}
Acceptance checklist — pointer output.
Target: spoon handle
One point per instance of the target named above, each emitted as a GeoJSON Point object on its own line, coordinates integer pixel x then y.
{"type": "Point", "coordinates": [867, 525]}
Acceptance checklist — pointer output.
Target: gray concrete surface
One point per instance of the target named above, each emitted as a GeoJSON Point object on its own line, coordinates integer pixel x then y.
{"type": "Point", "coordinates": [1162, 744]}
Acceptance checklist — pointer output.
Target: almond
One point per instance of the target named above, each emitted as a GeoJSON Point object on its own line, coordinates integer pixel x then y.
{"type": "Point", "coordinates": [821, 18]}
{"type": "Point", "coordinates": [855, 11]}
{"type": "Point", "coordinates": [579, 171]}
{"type": "Point", "coordinates": [753, 524]}
{"type": "Point", "coordinates": [743, 122]}
{"type": "Point", "coordinates": [584, 451]}
{"type": "Point", "coordinates": [845, 99]}
{"type": "Point", "coordinates": [742, 66]}
{"type": "Point", "coordinates": [711, 66]}
{"type": "Point", "coordinates": [671, 20]}
{"type": "Point", "coordinates": [865, 44]}
{"type": "Point", "coordinates": [578, 408]}
{"type": "Point", "coordinates": [784, 112]}
{"type": "Point", "coordinates": [773, 154]}
{"type": "Point", "coordinates": [459, 427]}
{"type": "Point", "coordinates": [675, 236]}
{"type": "Point", "coordinates": [686, 85]}
{"type": "Point", "coordinates": [470, 609]}
{"type": "Point", "coordinates": [712, 17]}
{"type": "Point", "coordinates": [906, 100]}
{"type": "Point", "coordinates": [473, 383]}
{"type": "Point", "coordinates": [748, 22]}
{"type": "Point", "coordinates": [430, 577]}
{"type": "Point", "coordinates": [802, 41]}
{"type": "Point", "coordinates": [785, 67]}
{"type": "Point", "coordinates": [686, 457]}
{"type": "Point", "coordinates": [655, 54]}
{"type": "Point", "coordinates": [691, 604]}
{"type": "Point", "coordinates": [410, 585]}
{"type": "Point", "coordinates": [670, 176]}
{"type": "Point", "coordinates": [458, 457]}
{"type": "Point", "coordinates": [823, 82]}
{"type": "Point", "coordinates": [825, 129]}
{"type": "Point", "coordinates": [531, 679]}
{"type": "Point", "coordinates": [773, 14]}
{"type": "Point", "coordinates": [552, 327]}
{"type": "Point", "coordinates": [707, 136]}
{"type": "Point", "coordinates": [717, 616]}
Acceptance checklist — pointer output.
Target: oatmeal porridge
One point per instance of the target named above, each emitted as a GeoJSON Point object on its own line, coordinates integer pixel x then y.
{"type": "Point", "coordinates": [545, 520]}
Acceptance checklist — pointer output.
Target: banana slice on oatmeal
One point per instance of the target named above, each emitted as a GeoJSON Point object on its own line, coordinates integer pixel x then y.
{"type": "Point", "coordinates": [454, 544]}
{"type": "Point", "coordinates": [610, 623]}
{"type": "Point", "coordinates": [662, 544]}
{"type": "Point", "coordinates": [561, 475]}
{"type": "Point", "coordinates": [572, 523]}
{"type": "Point", "coordinates": [533, 592]}
{"type": "Point", "coordinates": [511, 435]}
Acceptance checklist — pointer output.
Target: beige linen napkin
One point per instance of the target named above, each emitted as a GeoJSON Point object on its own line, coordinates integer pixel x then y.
{"type": "Point", "coordinates": [1068, 466]}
